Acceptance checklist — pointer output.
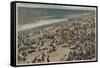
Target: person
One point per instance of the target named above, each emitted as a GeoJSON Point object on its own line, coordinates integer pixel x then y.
{"type": "Point", "coordinates": [48, 60]}
{"type": "Point", "coordinates": [35, 59]}
{"type": "Point", "coordinates": [43, 55]}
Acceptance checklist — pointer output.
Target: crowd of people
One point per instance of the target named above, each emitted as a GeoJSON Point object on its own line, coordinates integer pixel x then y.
{"type": "Point", "coordinates": [77, 34]}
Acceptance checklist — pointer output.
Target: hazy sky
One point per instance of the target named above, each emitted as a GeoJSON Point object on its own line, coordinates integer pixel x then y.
{"type": "Point", "coordinates": [54, 6]}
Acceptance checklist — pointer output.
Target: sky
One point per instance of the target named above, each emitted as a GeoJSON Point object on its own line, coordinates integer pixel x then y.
{"type": "Point", "coordinates": [54, 6]}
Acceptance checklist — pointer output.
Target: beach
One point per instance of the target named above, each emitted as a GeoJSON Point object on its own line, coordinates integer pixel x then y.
{"type": "Point", "coordinates": [62, 40]}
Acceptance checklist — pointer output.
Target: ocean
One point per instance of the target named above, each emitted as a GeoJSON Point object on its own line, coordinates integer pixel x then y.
{"type": "Point", "coordinates": [34, 18]}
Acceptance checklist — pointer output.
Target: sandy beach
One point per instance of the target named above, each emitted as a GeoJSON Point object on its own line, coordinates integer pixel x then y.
{"type": "Point", "coordinates": [69, 40]}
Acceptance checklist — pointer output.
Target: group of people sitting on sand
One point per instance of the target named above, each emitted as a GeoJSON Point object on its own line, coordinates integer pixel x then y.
{"type": "Point", "coordinates": [41, 57]}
